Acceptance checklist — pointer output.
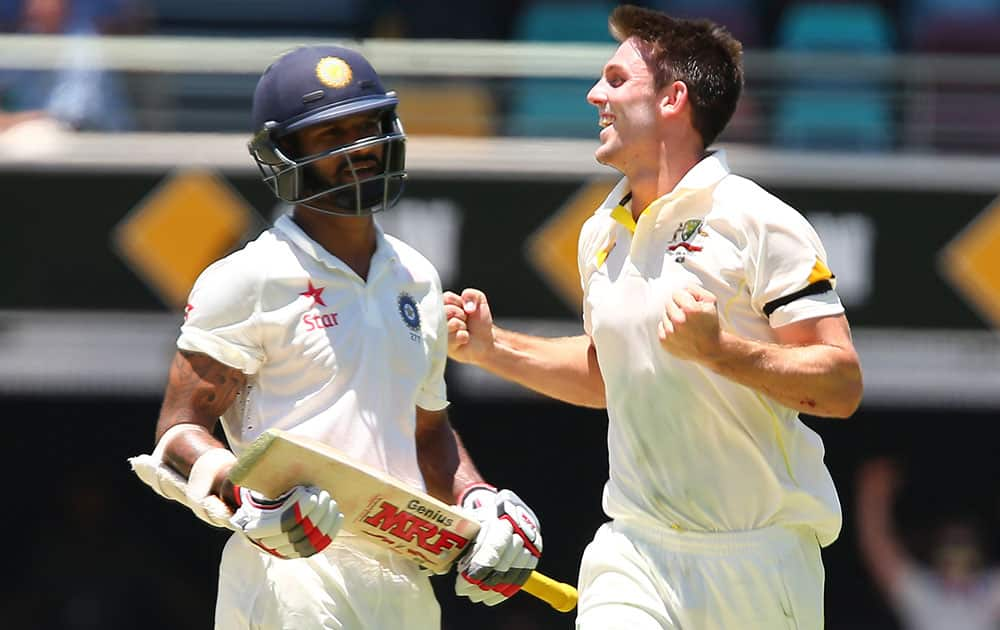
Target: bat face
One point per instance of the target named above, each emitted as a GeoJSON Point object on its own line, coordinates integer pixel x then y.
{"type": "Point", "coordinates": [376, 506]}
{"type": "Point", "coordinates": [420, 531]}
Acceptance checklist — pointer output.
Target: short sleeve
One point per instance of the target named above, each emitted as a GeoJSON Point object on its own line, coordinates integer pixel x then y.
{"type": "Point", "coordinates": [221, 315]}
{"type": "Point", "coordinates": [787, 270]}
{"type": "Point", "coordinates": [433, 393]}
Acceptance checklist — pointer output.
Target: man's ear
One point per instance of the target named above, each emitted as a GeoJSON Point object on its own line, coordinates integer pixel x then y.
{"type": "Point", "coordinates": [674, 99]}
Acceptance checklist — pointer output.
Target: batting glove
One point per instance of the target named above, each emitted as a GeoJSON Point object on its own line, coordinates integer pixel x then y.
{"type": "Point", "coordinates": [506, 550]}
{"type": "Point", "coordinates": [298, 524]}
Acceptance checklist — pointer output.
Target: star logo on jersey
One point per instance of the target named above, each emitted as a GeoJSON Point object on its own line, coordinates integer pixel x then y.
{"type": "Point", "coordinates": [682, 242]}
{"type": "Point", "coordinates": [315, 294]}
{"type": "Point", "coordinates": [410, 314]}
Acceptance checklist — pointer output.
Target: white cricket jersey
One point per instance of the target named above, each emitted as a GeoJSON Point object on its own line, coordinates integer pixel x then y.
{"type": "Point", "coordinates": [328, 355]}
{"type": "Point", "coordinates": [688, 448]}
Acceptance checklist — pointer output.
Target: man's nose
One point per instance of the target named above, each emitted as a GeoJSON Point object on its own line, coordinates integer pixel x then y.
{"type": "Point", "coordinates": [363, 156]}
{"type": "Point", "coordinates": [596, 96]}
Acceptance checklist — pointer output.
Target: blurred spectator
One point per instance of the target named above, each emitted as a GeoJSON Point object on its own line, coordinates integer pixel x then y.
{"type": "Point", "coordinates": [955, 591]}
{"type": "Point", "coordinates": [80, 94]}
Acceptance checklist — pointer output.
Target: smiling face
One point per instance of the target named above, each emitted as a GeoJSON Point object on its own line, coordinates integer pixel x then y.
{"type": "Point", "coordinates": [628, 110]}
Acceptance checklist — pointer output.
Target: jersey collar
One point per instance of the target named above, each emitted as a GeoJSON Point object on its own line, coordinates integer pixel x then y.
{"type": "Point", "coordinates": [291, 230]}
{"type": "Point", "coordinates": [705, 174]}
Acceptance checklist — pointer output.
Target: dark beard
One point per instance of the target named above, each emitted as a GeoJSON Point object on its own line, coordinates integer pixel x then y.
{"type": "Point", "coordinates": [372, 194]}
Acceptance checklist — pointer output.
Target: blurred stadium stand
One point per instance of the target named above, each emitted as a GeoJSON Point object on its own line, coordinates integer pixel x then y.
{"type": "Point", "coordinates": [826, 112]}
{"type": "Point", "coordinates": [956, 113]}
{"type": "Point", "coordinates": [743, 18]}
{"type": "Point", "coordinates": [288, 18]}
{"type": "Point", "coordinates": [556, 107]}
{"type": "Point", "coordinates": [914, 76]}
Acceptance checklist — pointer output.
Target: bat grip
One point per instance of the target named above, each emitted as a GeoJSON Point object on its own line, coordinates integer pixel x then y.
{"type": "Point", "coordinates": [560, 596]}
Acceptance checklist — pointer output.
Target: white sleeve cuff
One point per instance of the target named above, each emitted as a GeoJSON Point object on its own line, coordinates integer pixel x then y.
{"type": "Point", "coordinates": [204, 471]}
{"type": "Point", "coordinates": [808, 307]}
{"type": "Point", "coordinates": [225, 352]}
{"type": "Point", "coordinates": [431, 402]}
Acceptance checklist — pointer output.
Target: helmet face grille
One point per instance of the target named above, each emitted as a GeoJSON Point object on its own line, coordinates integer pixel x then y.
{"type": "Point", "coordinates": [358, 191]}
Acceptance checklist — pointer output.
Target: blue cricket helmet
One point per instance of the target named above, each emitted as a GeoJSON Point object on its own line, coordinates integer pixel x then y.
{"type": "Point", "coordinates": [316, 85]}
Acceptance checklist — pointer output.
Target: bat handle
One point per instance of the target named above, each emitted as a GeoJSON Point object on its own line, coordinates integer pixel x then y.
{"type": "Point", "coordinates": [560, 596]}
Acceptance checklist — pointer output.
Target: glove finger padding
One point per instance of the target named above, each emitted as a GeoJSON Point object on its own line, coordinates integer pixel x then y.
{"type": "Point", "coordinates": [299, 524]}
{"type": "Point", "coordinates": [269, 517]}
{"type": "Point", "coordinates": [506, 550]}
{"type": "Point", "coordinates": [512, 508]}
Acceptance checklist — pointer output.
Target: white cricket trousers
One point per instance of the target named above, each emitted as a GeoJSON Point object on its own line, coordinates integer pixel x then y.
{"type": "Point", "coordinates": [634, 578]}
{"type": "Point", "coordinates": [351, 585]}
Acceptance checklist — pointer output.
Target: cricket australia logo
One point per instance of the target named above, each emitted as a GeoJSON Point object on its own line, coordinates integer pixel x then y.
{"type": "Point", "coordinates": [682, 242]}
{"type": "Point", "coordinates": [410, 314]}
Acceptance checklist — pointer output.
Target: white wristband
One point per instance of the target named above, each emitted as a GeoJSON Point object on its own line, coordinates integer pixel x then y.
{"type": "Point", "coordinates": [194, 492]}
{"type": "Point", "coordinates": [205, 469]}
{"type": "Point", "coordinates": [169, 435]}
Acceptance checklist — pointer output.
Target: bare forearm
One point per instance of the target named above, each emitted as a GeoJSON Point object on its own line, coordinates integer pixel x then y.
{"type": "Point", "coordinates": [199, 390]}
{"type": "Point", "coordinates": [818, 379]}
{"type": "Point", "coordinates": [564, 368]}
{"type": "Point", "coordinates": [444, 463]}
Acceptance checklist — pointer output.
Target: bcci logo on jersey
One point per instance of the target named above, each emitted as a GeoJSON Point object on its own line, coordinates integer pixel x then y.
{"type": "Point", "coordinates": [682, 242]}
{"type": "Point", "coordinates": [410, 314]}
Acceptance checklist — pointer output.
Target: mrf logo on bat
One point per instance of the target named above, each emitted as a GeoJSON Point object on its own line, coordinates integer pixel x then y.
{"type": "Point", "coordinates": [413, 523]}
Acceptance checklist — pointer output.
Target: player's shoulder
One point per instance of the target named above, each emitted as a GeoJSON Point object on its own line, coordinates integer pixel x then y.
{"type": "Point", "coordinates": [748, 204]}
{"type": "Point", "coordinates": [411, 259]}
{"type": "Point", "coordinates": [741, 194]}
{"type": "Point", "coordinates": [248, 265]}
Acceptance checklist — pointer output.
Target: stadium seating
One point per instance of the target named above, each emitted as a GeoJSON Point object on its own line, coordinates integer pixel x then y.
{"type": "Point", "coordinates": [954, 114]}
{"type": "Point", "coordinates": [953, 26]}
{"type": "Point", "coordinates": [456, 19]}
{"type": "Point", "coordinates": [557, 107]}
{"type": "Point", "coordinates": [740, 17]}
{"type": "Point", "coordinates": [834, 113]}
{"type": "Point", "coordinates": [329, 18]}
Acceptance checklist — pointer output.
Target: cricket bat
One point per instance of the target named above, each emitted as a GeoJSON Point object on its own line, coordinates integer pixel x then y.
{"type": "Point", "coordinates": [376, 506]}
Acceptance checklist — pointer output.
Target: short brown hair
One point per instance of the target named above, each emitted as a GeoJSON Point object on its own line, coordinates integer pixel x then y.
{"type": "Point", "coordinates": [700, 53]}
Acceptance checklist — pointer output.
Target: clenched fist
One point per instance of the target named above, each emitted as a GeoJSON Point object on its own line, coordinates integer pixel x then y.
{"type": "Point", "coordinates": [690, 326]}
{"type": "Point", "coordinates": [470, 326]}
